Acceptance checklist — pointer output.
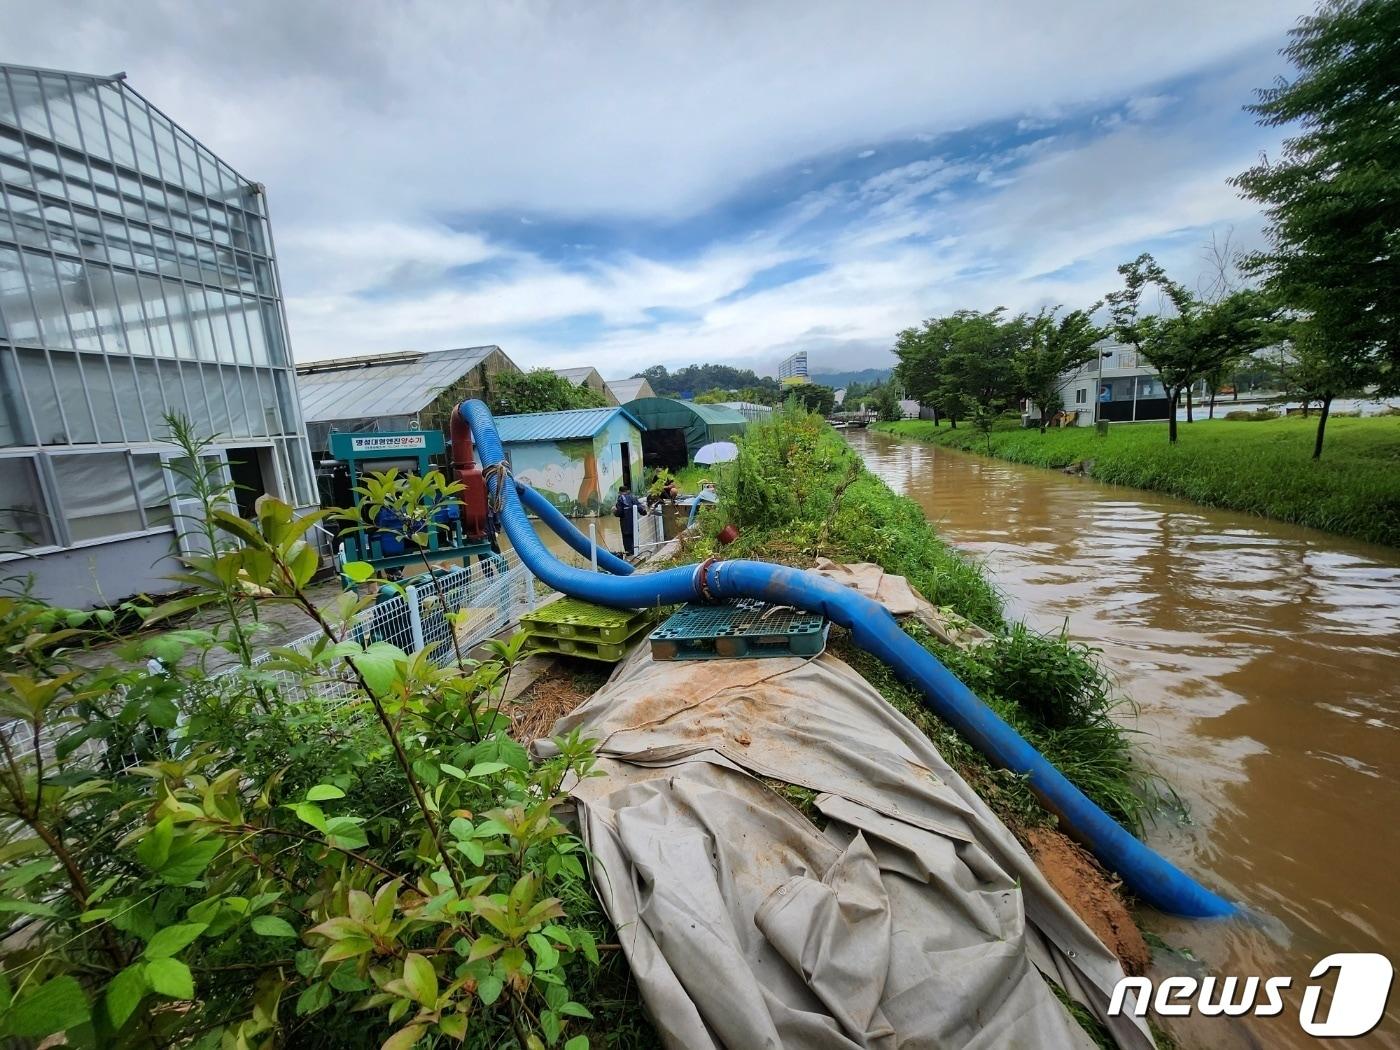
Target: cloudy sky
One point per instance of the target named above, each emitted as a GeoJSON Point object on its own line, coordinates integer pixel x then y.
{"type": "Point", "coordinates": [625, 184]}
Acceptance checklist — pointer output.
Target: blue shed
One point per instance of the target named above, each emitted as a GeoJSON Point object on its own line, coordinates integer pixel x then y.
{"type": "Point", "coordinates": [577, 459]}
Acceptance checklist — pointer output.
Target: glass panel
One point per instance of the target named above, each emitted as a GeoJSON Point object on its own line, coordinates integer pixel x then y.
{"type": "Point", "coordinates": [12, 147]}
{"type": "Point", "coordinates": [272, 331]}
{"type": "Point", "coordinates": [286, 402]}
{"type": "Point", "coordinates": [30, 102]}
{"type": "Point", "coordinates": [59, 223]}
{"type": "Point", "coordinates": [103, 398]}
{"type": "Point", "coordinates": [151, 490]}
{"type": "Point", "coordinates": [17, 322]}
{"type": "Point", "coordinates": [7, 108]}
{"type": "Point", "coordinates": [12, 171]}
{"type": "Point", "coordinates": [219, 398]}
{"type": "Point", "coordinates": [48, 302]}
{"type": "Point", "coordinates": [43, 399]}
{"type": "Point", "coordinates": [141, 141]}
{"type": "Point", "coordinates": [176, 310]}
{"type": "Point", "coordinates": [118, 133]}
{"type": "Point", "coordinates": [24, 520]}
{"type": "Point", "coordinates": [175, 393]}
{"type": "Point", "coordinates": [97, 496]}
{"type": "Point", "coordinates": [61, 116]}
{"type": "Point", "coordinates": [152, 402]}
{"type": "Point", "coordinates": [105, 306]}
{"type": "Point", "coordinates": [229, 350]}
{"type": "Point", "coordinates": [301, 473]}
{"type": "Point", "coordinates": [68, 374]}
{"type": "Point", "coordinates": [243, 407]}
{"type": "Point", "coordinates": [139, 202]}
{"type": "Point", "coordinates": [79, 304]}
{"type": "Point", "coordinates": [271, 418]}
{"type": "Point", "coordinates": [14, 417]}
{"type": "Point", "coordinates": [197, 397]}
{"type": "Point", "coordinates": [89, 109]}
{"type": "Point", "coordinates": [165, 148]}
{"type": "Point", "coordinates": [179, 212]}
{"type": "Point", "coordinates": [264, 277]}
{"type": "Point", "coordinates": [158, 327]}
{"type": "Point", "coordinates": [202, 325]}
{"type": "Point", "coordinates": [75, 177]}
{"type": "Point", "coordinates": [27, 217]}
{"type": "Point", "coordinates": [129, 401]}
{"type": "Point", "coordinates": [127, 292]}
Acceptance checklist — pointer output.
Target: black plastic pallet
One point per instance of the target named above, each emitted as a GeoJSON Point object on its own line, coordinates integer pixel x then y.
{"type": "Point", "coordinates": [744, 629]}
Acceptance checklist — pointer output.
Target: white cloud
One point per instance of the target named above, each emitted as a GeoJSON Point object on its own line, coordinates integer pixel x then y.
{"type": "Point", "coordinates": [375, 124]}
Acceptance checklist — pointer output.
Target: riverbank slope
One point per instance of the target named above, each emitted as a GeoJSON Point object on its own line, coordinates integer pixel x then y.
{"type": "Point", "coordinates": [1260, 467]}
{"type": "Point", "coordinates": [799, 492]}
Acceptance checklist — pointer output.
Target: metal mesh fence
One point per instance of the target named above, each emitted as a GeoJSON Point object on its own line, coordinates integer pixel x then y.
{"type": "Point", "coordinates": [491, 595]}
{"type": "Point", "coordinates": [649, 530]}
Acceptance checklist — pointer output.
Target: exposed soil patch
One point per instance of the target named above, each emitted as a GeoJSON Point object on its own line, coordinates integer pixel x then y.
{"type": "Point", "coordinates": [1091, 892]}
{"type": "Point", "coordinates": [557, 691]}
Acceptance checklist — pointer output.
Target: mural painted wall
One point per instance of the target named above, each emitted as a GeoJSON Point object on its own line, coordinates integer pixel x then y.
{"type": "Point", "coordinates": [579, 477]}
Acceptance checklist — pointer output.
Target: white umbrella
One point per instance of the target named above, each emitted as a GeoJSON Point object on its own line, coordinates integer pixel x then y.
{"type": "Point", "coordinates": [717, 452]}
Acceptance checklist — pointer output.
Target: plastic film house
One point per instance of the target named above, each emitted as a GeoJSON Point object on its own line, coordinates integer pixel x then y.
{"type": "Point", "coordinates": [137, 278]}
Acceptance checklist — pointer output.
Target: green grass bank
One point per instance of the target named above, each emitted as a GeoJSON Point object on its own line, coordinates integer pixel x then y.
{"type": "Point", "coordinates": [1261, 467]}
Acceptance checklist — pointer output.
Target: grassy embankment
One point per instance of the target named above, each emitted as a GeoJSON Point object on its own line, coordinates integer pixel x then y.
{"type": "Point", "coordinates": [798, 491]}
{"type": "Point", "coordinates": [1261, 467]}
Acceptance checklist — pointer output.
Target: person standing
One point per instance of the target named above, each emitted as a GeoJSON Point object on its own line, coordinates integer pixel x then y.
{"type": "Point", "coordinates": [622, 509]}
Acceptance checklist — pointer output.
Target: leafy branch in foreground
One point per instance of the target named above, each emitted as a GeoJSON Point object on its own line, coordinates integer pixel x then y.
{"type": "Point", "coordinates": [369, 860]}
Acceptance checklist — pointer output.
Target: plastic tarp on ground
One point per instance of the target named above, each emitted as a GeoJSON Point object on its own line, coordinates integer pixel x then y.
{"type": "Point", "coordinates": [915, 919]}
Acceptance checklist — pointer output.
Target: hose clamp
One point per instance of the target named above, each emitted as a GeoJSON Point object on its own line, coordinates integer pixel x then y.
{"type": "Point", "coordinates": [702, 572]}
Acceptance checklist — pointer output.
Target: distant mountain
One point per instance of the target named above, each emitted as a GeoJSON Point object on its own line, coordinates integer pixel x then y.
{"type": "Point", "coordinates": [839, 380]}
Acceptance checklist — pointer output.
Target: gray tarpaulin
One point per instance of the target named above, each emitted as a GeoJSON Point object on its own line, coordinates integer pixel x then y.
{"type": "Point", "coordinates": [915, 919]}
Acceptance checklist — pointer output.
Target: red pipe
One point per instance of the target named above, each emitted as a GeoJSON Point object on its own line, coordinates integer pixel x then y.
{"type": "Point", "coordinates": [469, 474]}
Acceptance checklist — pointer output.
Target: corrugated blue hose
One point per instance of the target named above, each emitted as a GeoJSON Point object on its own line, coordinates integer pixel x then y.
{"type": "Point", "coordinates": [564, 528]}
{"type": "Point", "coordinates": [1150, 876]}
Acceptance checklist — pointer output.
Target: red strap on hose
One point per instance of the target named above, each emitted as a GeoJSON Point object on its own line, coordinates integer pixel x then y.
{"type": "Point", "coordinates": [703, 572]}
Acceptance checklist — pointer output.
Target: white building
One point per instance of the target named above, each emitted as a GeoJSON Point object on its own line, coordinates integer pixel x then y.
{"type": "Point", "coordinates": [1116, 386]}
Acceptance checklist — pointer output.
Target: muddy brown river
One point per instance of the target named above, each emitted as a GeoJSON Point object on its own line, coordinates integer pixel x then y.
{"type": "Point", "coordinates": [1265, 662]}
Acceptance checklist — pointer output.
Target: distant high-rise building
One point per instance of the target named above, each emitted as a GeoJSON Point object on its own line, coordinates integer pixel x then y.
{"type": "Point", "coordinates": [792, 371]}
{"type": "Point", "coordinates": [137, 279]}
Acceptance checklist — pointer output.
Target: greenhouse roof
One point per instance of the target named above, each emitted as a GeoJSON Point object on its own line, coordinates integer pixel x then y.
{"type": "Point", "coordinates": [382, 384]}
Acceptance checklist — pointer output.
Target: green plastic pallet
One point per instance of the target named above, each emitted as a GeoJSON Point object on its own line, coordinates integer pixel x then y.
{"type": "Point", "coordinates": [587, 648]}
{"type": "Point", "coordinates": [744, 629]}
{"type": "Point", "coordinates": [572, 618]}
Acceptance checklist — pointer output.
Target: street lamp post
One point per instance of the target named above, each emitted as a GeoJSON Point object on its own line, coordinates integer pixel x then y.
{"type": "Point", "coordinates": [1098, 392]}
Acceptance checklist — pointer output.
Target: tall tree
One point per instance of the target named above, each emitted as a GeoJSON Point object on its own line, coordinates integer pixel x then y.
{"type": "Point", "coordinates": [961, 364]}
{"type": "Point", "coordinates": [1333, 197]}
{"type": "Point", "coordinates": [814, 397]}
{"type": "Point", "coordinates": [1194, 338]}
{"type": "Point", "coordinates": [1052, 348]}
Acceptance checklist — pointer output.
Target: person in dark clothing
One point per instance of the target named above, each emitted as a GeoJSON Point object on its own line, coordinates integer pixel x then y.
{"type": "Point", "coordinates": [622, 510]}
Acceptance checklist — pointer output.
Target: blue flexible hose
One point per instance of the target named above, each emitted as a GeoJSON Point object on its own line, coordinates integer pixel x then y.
{"type": "Point", "coordinates": [1152, 877]}
{"type": "Point", "coordinates": [566, 530]}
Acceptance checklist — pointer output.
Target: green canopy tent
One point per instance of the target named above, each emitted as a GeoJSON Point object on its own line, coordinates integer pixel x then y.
{"type": "Point", "coordinates": [675, 430]}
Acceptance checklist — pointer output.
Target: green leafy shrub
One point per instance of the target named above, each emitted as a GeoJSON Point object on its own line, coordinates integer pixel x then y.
{"type": "Point", "coordinates": [340, 846]}
{"type": "Point", "coordinates": [797, 491]}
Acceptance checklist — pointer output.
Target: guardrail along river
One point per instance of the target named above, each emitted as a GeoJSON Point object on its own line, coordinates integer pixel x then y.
{"type": "Point", "coordinates": [1265, 660]}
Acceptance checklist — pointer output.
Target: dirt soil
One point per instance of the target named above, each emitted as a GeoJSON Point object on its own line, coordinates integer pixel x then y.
{"type": "Point", "coordinates": [558, 690]}
{"type": "Point", "coordinates": [1092, 893]}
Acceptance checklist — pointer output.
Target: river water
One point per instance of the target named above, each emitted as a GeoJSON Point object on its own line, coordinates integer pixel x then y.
{"type": "Point", "coordinates": [1265, 660]}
